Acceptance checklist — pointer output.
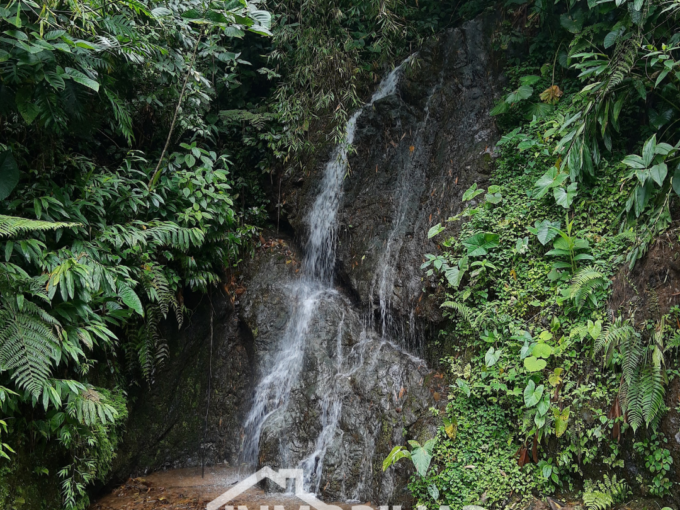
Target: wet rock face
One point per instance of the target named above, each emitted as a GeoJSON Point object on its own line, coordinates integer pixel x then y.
{"type": "Point", "coordinates": [361, 393]}
{"type": "Point", "coordinates": [357, 395]}
{"type": "Point", "coordinates": [166, 428]}
{"type": "Point", "coordinates": [355, 398]}
{"type": "Point", "coordinates": [417, 151]}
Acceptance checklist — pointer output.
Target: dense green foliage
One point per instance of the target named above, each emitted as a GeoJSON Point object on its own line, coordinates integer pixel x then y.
{"type": "Point", "coordinates": [100, 229]}
{"type": "Point", "coordinates": [527, 275]}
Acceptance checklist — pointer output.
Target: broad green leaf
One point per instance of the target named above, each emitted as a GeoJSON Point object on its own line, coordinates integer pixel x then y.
{"type": "Point", "coordinates": [17, 34]}
{"type": "Point", "coordinates": [539, 420]}
{"type": "Point", "coordinates": [492, 357]}
{"type": "Point", "coordinates": [234, 32]}
{"type": "Point", "coordinates": [561, 421]}
{"type": "Point", "coordinates": [611, 38]}
{"type": "Point", "coordinates": [676, 180]}
{"type": "Point", "coordinates": [546, 230]}
{"type": "Point", "coordinates": [664, 149]}
{"type": "Point", "coordinates": [544, 404]}
{"type": "Point", "coordinates": [661, 76]}
{"type": "Point", "coordinates": [556, 377]}
{"type": "Point", "coordinates": [472, 192]}
{"type": "Point", "coordinates": [594, 329]}
{"type": "Point", "coordinates": [429, 445]}
{"type": "Point", "coordinates": [397, 453]}
{"type": "Point", "coordinates": [9, 174]}
{"type": "Point", "coordinates": [658, 119]}
{"type": "Point", "coordinates": [532, 394]}
{"type": "Point", "coordinates": [538, 110]}
{"type": "Point", "coordinates": [454, 276]}
{"type": "Point", "coordinates": [437, 229]}
{"type": "Point", "coordinates": [525, 350]}
{"type": "Point", "coordinates": [433, 491]}
{"type": "Point", "coordinates": [522, 245]}
{"type": "Point", "coordinates": [160, 12]}
{"type": "Point", "coordinates": [130, 298]}
{"type": "Point", "coordinates": [191, 14]}
{"type": "Point", "coordinates": [81, 78]}
{"type": "Point", "coordinates": [529, 80]}
{"type": "Point", "coordinates": [463, 385]}
{"type": "Point", "coordinates": [658, 173]}
{"type": "Point", "coordinates": [533, 364]}
{"type": "Point", "coordinates": [522, 93]}
{"type": "Point", "coordinates": [566, 197]}
{"type": "Point", "coordinates": [542, 351]}
{"type": "Point", "coordinates": [501, 107]}
{"type": "Point", "coordinates": [641, 195]}
{"type": "Point", "coordinates": [573, 22]}
{"type": "Point", "coordinates": [550, 179]}
{"type": "Point", "coordinates": [421, 460]}
{"type": "Point", "coordinates": [479, 244]}
{"type": "Point", "coordinates": [648, 151]}
{"type": "Point", "coordinates": [264, 18]}
{"type": "Point", "coordinates": [26, 105]}
{"type": "Point", "coordinates": [493, 198]}
{"type": "Point", "coordinates": [634, 161]}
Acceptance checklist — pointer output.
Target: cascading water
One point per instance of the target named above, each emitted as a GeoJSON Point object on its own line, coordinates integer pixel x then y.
{"type": "Point", "coordinates": [306, 295]}
{"type": "Point", "coordinates": [409, 186]}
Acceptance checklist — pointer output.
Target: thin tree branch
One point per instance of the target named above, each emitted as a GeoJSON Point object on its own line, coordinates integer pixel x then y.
{"type": "Point", "coordinates": [156, 173]}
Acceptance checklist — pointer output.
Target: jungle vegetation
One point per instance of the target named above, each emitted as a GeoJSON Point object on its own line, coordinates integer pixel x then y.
{"type": "Point", "coordinates": [137, 139]}
{"type": "Point", "coordinates": [587, 179]}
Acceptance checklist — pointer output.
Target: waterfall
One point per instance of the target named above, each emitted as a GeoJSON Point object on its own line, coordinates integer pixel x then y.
{"type": "Point", "coordinates": [315, 285]}
{"type": "Point", "coordinates": [410, 185]}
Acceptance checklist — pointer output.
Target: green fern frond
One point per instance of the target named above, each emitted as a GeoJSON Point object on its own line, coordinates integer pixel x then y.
{"type": "Point", "coordinates": [464, 311]}
{"type": "Point", "coordinates": [603, 495]}
{"type": "Point", "coordinates": [652, 394]}
{"type": "Point", "coordinates": [632, 352]}
{"type": "Point", "coordinates": [583, 283]}
{"type": "Point", "coordinates": [11, 225]}
{"type": "Point", "coordinates": [597, 500]}
{"type": "Point", "coordinates": [121, 115]}
{"type": "Point", "coordinates": [617, 333]}
{"type": "Point", "coordinates": [622, 62]}
{"type": "Point", "coordinates": [90, 407]}
{"type": "Point", "coordinates": [28, 344]}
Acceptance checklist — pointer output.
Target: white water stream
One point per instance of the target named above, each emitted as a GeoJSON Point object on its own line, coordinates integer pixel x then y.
{"type": "Point", "coordinates": [382, 288]}
{"type": "Point", "coordinates": [272, 394]}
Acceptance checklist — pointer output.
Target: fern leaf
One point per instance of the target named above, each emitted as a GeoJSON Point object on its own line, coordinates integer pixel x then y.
{"type": "Point", "coordinates": [12, 226]}
{"type": "Point", "coordinates": [28, 345]}
{"type": "Point", "coordinates": [652, 398]}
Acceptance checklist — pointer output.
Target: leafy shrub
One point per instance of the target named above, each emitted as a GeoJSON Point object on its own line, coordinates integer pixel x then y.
{"type": "Point", "coordinates": [479, 464]}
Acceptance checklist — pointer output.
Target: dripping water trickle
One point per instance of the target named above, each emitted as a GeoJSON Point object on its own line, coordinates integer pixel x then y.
{"type": "Point", "coordinates": [382, 287]}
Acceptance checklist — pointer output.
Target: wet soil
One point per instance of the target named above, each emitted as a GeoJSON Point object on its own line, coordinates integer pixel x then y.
{"type": "Point", "coordinates": [186, 489]}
